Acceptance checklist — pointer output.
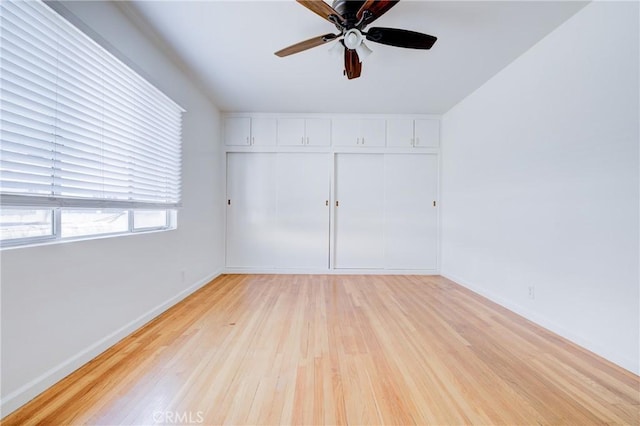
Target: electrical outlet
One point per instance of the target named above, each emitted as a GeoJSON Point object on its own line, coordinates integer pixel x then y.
{"type": "Point", "coordinates": [532, 292]}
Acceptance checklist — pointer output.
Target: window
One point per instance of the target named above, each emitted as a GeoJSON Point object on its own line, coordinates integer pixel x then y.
{"type": "Point", "coordinates": [149, 219]}
{"type": "Point", "coordinates": [88, 147]}
{"type": "Point", "coordinates": [18, 224]}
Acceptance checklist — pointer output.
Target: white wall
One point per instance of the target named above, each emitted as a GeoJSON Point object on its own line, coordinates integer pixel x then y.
{"type": "Point", "coordinates": [63, 304]}
{"type": "Point", "coordinates": [541, 184]}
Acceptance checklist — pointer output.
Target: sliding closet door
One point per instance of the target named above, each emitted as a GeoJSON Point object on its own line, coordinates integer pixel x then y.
{"type": "Point", "coordinates": [359, 213]}
{"type": "Point", "coordinates": [251, 210]}
{"type": "Point", "coordinates": [411, 184]}
{"type": "Point", "coordinates": [302, 236]}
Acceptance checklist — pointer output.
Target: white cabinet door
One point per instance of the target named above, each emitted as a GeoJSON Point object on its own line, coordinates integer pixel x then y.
{"type": "Point", "coordinates": [251, 210]}
{"type": "Point", "coordinates": [359, 214]}
{"type": "Point", "coordinates": [237, 131]}
{"type": "Point", "coordinates": [345, 132]}
{"type": "Point", "coordinates": [427, 133]}
{"type": "Point", "coordinates": [263, 131]}
{"type": "Point", "coordinates": [372, 132]}
{"type": "Point", "coordinates": [302, 231]}
{"type": "Point", "coordinates": [400, 132]}
{"type": "Point", "coordinates": [300, 131]}
{"type": "Point", "coordinates": [410, 182]}
{"type": "Point", "coordinates": [291, 132]}
{"type": "Point", "coordinates": [358, 132]}
{"type": "Point", "coordinates": [318, 131]}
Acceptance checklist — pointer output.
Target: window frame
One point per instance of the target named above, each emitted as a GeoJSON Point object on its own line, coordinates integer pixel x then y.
{"type": "Point", "coordinates": [56, 225]}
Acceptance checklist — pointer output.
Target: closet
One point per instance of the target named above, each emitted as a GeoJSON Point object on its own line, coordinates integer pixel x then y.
{"type": "Point", "coordinates": [323, 206]}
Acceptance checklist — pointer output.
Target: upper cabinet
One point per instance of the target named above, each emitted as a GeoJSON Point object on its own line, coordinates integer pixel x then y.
{"type": "Point", "coordinates": [304, 131]}
{"type": "Point", "coordinates": [408, 133]}
{"type": "Point", "coordinates": [427, 133]}
{"type": "Point", "coordinates": [237, 131]}
{"type": "Point", "coordinates": [267, 132]}
{"type": "Point", "coordinates": [247, 131]}
{"type": "Point", "coordinates": [400, 132]}
{"type": "Point", "coordinates": [359, 132]}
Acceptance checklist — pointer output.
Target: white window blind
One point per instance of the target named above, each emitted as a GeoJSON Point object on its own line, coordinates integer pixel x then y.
{"type": "Point", "coordinates": [78, 127]}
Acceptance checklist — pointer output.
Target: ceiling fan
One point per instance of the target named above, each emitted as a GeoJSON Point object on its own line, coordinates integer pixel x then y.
{"type": "Point", "coordinates": [351, 17]}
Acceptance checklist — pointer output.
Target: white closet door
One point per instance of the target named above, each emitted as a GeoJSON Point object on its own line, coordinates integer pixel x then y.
{"type": "Point", "coordinates": [359, 217]}
{"type": "Point", "coordinates": [303, 214]}
{"type": "Point", "coordinates": [251, 210]}
{"type": "Point", "coordinates": [411, 182]}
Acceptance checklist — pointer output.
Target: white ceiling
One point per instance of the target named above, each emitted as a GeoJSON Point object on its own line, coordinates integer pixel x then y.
{"type": "Point", "coordinates": [229, 46]}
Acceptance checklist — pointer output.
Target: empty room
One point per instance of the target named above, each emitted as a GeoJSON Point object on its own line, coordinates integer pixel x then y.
{"type": "Point", "coordinates": [189, 234]}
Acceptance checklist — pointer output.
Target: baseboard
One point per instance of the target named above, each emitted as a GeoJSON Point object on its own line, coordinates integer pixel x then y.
{"type": "Point", "coordinates": [30, 390]}
{"type": "Point", "coordinates": [616, 358]}
{"type": "Point", "coordinates": [309, 271]}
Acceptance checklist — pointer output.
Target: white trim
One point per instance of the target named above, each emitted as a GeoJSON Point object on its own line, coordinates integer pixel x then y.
{"type": "Point", "coordinates": [33, 388]}
{"type": "Point", "coordinates": [604, 352]}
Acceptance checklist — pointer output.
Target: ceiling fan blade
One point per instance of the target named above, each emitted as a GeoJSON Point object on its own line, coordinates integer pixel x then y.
{"type": "Point", "coordinates": [307, 44]}
{"type": "Point", "coordinates": [377, 8]}
{"type": "Point", "coordinates": [352, 64]}
{"type": "Point", "coordinates": [401, 38]}
{"type": "Point", "coordinates": [321, 9]}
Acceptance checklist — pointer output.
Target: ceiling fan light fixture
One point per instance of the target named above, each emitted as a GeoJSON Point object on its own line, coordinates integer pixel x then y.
{"type": "Point", "coordinates": [363, 51]}
{"type": "Point", "coordinates": [352, 39]}
{"type": "Point", "coordinates": [337, 50]}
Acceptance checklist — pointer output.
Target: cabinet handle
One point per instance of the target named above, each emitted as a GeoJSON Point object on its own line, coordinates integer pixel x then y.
{"type": "Point", "coordinates": [357, 141]}
{"type": "Point", "coordinates": [228, 202]}
{"type": "Point", "coordinates": [253, 140]}
{"type": "Point", "coordinates": [307, 140]}
{"type": "Point", "coordinates": [248, 143]}
{"type": "Point", "coordinates": [434, 204]}
{"type": "Point", "coordinates": [326, 203]}
{"type": "Point", "coordinates": [337, 203]}
{"type": "Point", "coordinates": [363, 140]}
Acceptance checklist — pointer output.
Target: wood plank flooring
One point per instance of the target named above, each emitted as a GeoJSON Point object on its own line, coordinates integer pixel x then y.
{"type": "Point", "coordinates": [360, 350]}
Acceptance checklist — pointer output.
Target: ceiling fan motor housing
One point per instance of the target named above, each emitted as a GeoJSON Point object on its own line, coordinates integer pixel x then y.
{"type": "Point", "coordinates": [348, 9]}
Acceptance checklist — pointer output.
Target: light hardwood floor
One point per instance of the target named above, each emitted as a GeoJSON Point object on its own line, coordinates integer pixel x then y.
{"type": "Point", "coordinates": [360, 350]}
